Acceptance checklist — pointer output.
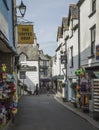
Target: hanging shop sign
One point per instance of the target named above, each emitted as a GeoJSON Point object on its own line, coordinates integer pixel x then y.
{"type": "Point", "coordinates": [97, 52]}
{"type": "Point", "coordinates": [28, 68]}
{"type": "Point", "coordinates": [25, 34]}
{"type": "Point", "coordinates": [22, 74]}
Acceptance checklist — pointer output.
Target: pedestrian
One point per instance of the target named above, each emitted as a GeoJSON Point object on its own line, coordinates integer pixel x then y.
{"type": "Point", "coordinates": [48, 88]}
{"type": "Point", "coordinates": [37, 90]}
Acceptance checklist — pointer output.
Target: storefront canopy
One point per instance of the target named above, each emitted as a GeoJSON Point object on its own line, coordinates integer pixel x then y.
{"type": "Point", "coordinates": [45, 79]}
{"type": "Point", "coordinates": [4, 45]}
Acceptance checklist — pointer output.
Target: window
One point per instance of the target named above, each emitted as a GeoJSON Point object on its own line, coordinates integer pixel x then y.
{"type": "Point", "coordinates": [22, 57]}
{"type": "Point", "coordinates": [93, 8]}
{"type": "Point", "coordinates": [45, 72]}
{"type": "Point", "coordinates": [93, 35]}
{"type": "Point", "coordinates": [93, 5]}
{"type": "Point", "coordinates": [45, 63]}
{"type": "Point", "coordinates": [71, 53]}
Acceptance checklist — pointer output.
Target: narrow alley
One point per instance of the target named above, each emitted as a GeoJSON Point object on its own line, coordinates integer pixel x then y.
{"type": "Point", "coordinates": [43, 112]}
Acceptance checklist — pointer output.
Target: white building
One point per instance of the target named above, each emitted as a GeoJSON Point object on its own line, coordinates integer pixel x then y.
{"type": "Point", "coordinates": [72, 50]}
{"type": "Point", "coordinates": [89, 49]}
{"type": "Point", "coordinates": [45, 69]}
{"type": "Point", "coordinates": [29, 65]}
{"type": "Point", "coordinates": [89, 33]}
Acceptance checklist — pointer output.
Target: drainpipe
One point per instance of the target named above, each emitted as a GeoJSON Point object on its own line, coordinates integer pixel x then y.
{"type": "Point", "coordinates": [66, 67]}
{"type": "Point", "coordinates": [79, 64]}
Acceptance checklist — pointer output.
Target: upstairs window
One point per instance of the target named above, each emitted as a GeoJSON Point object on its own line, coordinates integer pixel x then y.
{"type": "Point", "coordinates": [93, 36]}
{"type": "Point", "coordinates": [22, 57]}
{"type": "Point", "coordinates": [93, 5]}
{"type": "Point", "coordinates": [71, 58]}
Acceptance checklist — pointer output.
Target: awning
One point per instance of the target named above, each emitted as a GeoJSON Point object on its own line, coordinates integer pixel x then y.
{"type": "Point", "coordinates": [45, 79]}
{"type": "Point", "coordinates": [4, 45]}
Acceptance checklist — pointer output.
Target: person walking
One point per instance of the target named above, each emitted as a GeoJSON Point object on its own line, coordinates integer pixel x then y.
{"type": "Point", "coordinates": [48, 89]}
{"type": "Point", "coordinates": [37, 90]}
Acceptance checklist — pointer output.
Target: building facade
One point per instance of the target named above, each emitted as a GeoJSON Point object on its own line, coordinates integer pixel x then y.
{"type": "Point", "coordinates": [28, 55]}
{"type": "Point", "coordinates": [45, 69]}
{"type": "Point", "coordinates": [7, 46]}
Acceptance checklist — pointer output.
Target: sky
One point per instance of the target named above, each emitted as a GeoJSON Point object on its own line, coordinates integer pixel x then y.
{"type": "Point", "coordinates": [46, 16]}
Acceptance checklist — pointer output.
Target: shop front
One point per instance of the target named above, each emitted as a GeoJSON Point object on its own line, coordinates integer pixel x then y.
{"type": "Point", "coordinates": [88, 90]}
{"type": "Point", "coordinates": [8, 104]}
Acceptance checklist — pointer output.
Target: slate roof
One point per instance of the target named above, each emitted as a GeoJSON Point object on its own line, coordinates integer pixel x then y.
{"type": "Point", "coordinates": [59, 32]}
{"type": "Point", "coordinates": [28, 49]}
{"type": "Point", "coordinates": [65, 23]}
{"type": "Point", "coordinates": [73, 12]}
{"type": "Point", "coordinates": [80, 2]}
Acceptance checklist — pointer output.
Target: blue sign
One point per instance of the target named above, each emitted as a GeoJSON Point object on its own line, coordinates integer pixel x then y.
{"type": "Point", "coordinates": [97, 52]}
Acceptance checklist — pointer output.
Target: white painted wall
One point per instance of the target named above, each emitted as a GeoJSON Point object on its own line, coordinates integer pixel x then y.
{"type": "Point", "coordinates": [72, 41]}
{"type": "Point", "coordinates": [54, 67]}
{"type": "Point", "coordinates": [85, 36]}
{"type": "Point", "coordinates": [32, 77]}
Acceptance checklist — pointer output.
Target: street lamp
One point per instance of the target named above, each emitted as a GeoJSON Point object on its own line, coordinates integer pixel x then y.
{"type": "Point", "coordinates": [22, 9]}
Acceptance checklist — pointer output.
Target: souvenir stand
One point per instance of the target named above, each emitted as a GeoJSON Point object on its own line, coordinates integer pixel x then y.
{"type": "Point", "coordinates": [7, 92]}
{"type": "Point", "coordinates": [95, 98]}
{"type": "Point", "coordinates": [83, 89]}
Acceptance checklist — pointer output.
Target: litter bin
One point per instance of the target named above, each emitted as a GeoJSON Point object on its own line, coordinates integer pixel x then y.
{"type": "Point", "coordinates": [64, 91]}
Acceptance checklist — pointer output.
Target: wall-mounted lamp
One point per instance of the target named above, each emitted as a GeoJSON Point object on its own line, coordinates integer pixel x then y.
{"type": "Point", "coordinates": [22, 9]}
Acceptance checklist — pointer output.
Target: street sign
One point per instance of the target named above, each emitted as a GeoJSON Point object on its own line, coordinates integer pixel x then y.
{"type": "Point", "coordinates": [22, 74]}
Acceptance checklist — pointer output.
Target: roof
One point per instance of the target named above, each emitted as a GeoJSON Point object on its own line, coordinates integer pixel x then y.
{"type": "Point", "coordinates": [80, 2]}
{"type": "Point", "coordinates": [65, 23]}
{"type": "Point", "coordinates": [43, 58]}
{"type": "Point", "coordinates": [58, 47]}
{"type": "Point", "coordinates": [59, 33]}
{"type": "Point", "coordinates": [73, 12]}
{"type": "Point", "coordinates": [28, 49]}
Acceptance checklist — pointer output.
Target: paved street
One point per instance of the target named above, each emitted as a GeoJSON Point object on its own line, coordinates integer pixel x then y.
{"type": "Point", "coordinates": [43, 112]}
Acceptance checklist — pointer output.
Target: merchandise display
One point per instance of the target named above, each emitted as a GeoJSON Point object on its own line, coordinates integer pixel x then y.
{"type": "Point", "coordinates": [7, 95]}
{"type": "Point", "coordinates": [83, 89]}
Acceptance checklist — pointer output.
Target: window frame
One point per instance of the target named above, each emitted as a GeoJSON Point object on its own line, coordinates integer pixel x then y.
{"type": "Point", "coordinates": [93, 39]}
{"type": "Point", "coordinates": [71, 57]}
{"type": "Point", "coordinates": [93, 5]}
{"type": "Point", "coordinates": [93, 8]}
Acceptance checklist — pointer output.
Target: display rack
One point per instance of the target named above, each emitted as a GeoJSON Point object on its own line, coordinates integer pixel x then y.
{"type": "Point", "coordinates": [95, 95]}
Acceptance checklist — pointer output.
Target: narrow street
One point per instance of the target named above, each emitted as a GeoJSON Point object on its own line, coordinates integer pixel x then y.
{"type": "Point", "coordinates": [43, 112]}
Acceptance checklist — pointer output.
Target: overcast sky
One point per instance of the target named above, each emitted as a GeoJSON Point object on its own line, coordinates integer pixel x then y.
{"type": "Point", "coordinates": [46, 16]}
